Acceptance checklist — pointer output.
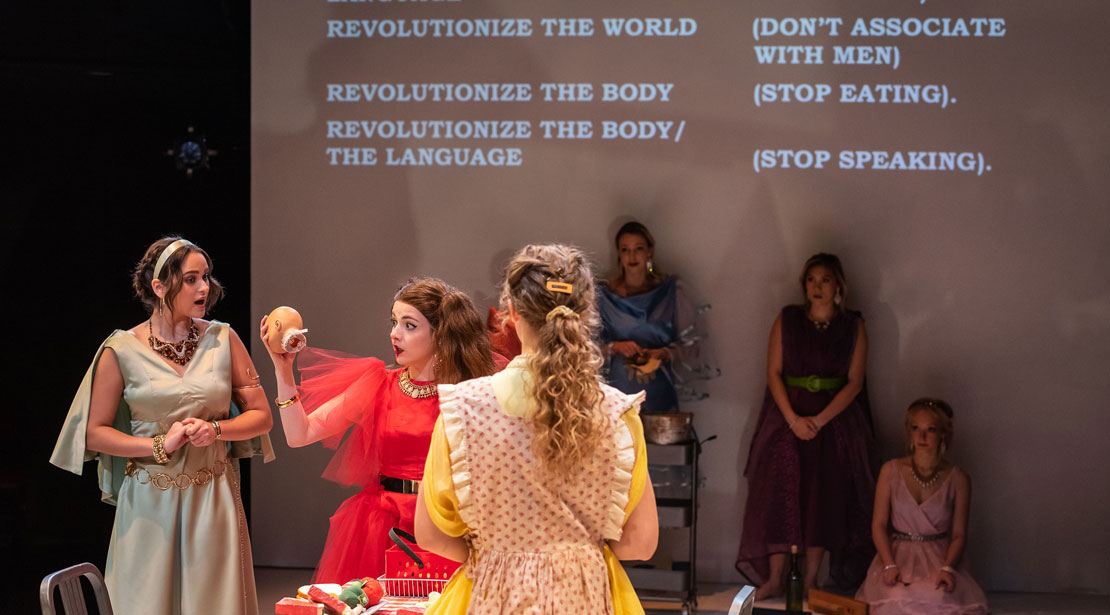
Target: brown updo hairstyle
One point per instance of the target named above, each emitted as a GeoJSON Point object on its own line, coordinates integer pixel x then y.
{"type": "Point", "coordinates": [941, 412]}
{"type": "Point", "coordinates": [832, 263]}
{"type": "Point", "coordinates": [170, 275]}
{"type": "Point", "coordinates": [565, 387]}
{"type": "Point", "coordinates": [635, 228]}
{"type": "Point", "coordinates": [463, 349]}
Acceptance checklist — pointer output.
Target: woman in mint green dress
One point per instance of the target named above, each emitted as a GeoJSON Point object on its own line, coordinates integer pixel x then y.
{"type": "Point", "coordinates": [155, 409]}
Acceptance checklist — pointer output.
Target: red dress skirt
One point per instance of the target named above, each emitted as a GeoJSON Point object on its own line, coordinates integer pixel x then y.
{"type": "Point", "coordinates": [390, 436]}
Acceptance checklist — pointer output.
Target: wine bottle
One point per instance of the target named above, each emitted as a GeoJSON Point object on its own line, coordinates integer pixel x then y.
{"type": "Point", "coordinates": [794, 584]}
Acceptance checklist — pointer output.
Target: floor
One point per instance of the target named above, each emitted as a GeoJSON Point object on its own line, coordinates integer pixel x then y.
{"type": "Point", "coordinates": [275, 583]}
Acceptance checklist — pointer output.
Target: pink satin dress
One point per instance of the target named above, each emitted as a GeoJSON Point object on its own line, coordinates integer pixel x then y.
{"type": "Point", "coordinates": [919, 562]}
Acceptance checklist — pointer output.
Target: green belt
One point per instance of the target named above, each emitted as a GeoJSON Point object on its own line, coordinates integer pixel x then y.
{"type": "Point", "coordinates": [813, 383]}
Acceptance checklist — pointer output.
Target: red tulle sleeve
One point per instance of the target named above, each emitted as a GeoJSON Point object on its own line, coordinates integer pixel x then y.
{"type": "Point", "coordinates": [502, 335]}
{"type": "Point", "coordinates": [353, 389]}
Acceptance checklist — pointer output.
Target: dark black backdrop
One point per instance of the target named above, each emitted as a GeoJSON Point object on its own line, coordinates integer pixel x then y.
{"type": "Point", "coordinates": [94, 93]}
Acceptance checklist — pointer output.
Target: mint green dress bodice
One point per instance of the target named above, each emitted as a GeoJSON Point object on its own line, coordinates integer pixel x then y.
{"type": "Point", "coordinates": [174, 550]}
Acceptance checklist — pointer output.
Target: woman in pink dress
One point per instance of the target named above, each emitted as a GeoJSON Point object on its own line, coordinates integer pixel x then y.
{"type": "Point", "coordinates": [920, 526]}
{"type": "Point", "coordinates": [438, 337]}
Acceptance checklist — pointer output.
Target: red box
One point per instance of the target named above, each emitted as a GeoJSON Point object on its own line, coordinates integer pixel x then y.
{"type": "Point", "coordinates": [412, 571]}
{"type": "Point", "coordinates": [296, 606]}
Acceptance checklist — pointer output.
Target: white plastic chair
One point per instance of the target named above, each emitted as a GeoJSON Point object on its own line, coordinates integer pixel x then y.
{"type": "Point", "coordinates": [68, 582]}
{"type": "Point", "coordinates": [744, 602]}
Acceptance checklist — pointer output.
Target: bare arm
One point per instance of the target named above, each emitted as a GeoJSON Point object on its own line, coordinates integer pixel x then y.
{"type": "Point", "coordinates": [856, 373]}
{"type": "Point", "coordinates": [946, 578]}
{"type": "Point", "coordinates": [300, 429]}
{"type": "Point", "coordinates": [100, 435]}
{"type": "Point", "coordinates": [880, 520]}
{"type": "Point", "coordinates": [430, 537]}
{"type": "Point", "coordinates": [641, 530]}
{"type": "Point", "coordinates": [803, 427]}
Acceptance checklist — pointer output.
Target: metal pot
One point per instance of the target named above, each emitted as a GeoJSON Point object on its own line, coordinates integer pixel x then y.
{"type": "Point", "coordinates": [667, 427]}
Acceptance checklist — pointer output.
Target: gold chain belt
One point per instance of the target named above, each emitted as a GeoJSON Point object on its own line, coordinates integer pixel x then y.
{"type": "Point", "coordinates": [182, 481]}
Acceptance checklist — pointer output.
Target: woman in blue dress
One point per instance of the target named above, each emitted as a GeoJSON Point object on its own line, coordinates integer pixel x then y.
{"type": "Point", "coordinates": [645, 323]}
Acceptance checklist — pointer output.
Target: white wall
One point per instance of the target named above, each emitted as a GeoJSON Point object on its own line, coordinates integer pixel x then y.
{"type": "Point", "coordinates": [989, 291]}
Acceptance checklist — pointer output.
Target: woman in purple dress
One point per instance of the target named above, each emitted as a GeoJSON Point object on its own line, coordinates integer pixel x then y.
{"type": "Point", "coordinates": [810, 470]}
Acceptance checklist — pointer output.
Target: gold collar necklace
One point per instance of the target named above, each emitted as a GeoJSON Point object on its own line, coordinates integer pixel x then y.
{"type": "Point", "coordinates": [179, 353]}
{"type": "Point", "coordinates": [413, 390]}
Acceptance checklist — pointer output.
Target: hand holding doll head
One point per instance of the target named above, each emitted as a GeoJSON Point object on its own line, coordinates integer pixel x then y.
{"type": "Point", "coordinates": [286, 331]}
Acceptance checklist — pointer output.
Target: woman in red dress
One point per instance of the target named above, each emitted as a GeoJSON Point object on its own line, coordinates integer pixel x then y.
{"type": "Point", "coordinates": [437, 336]}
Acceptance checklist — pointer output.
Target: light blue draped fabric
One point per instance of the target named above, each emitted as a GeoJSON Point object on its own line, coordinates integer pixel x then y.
{"type": "Point", "coordinates": [649, 319]}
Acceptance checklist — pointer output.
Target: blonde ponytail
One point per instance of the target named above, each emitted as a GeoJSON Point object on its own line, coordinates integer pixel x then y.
{"type": "Point", "coordinates": [552, 288]}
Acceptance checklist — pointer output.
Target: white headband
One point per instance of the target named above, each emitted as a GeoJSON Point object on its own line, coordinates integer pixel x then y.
{"type": "Point", "coordinates": [170, 249]}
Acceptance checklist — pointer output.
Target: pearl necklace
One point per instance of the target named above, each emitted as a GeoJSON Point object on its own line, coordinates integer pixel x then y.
{"type": "Point", "coordinates": [413, 390]}
{"type": "Point", "coordinates": [920, 479]}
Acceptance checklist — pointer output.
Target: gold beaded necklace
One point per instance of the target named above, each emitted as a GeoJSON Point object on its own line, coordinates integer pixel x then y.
{"type": "Point", "coordinates": [413, 390]}
{"type": "Point", "coordinates": [182, 351]}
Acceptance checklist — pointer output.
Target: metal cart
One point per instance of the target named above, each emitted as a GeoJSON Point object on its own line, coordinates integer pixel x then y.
{"type": "Point", "coordinates": [674, 475]}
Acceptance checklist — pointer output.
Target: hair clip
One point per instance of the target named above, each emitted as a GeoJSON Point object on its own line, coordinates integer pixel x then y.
{"type": "Point", "coordinates": [560, 287]}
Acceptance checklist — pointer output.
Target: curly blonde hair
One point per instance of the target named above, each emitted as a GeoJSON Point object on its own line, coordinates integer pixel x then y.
{"type": "Point", "coordinates": [566, 387]}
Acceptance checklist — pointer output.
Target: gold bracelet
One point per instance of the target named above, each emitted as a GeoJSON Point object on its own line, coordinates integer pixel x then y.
{"type": "Point", "coordinates": [216, 426]}
{"type": "Point", "coordinates": [289, 402]}
{"type": "Point", "coordinates": [160, 455]}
